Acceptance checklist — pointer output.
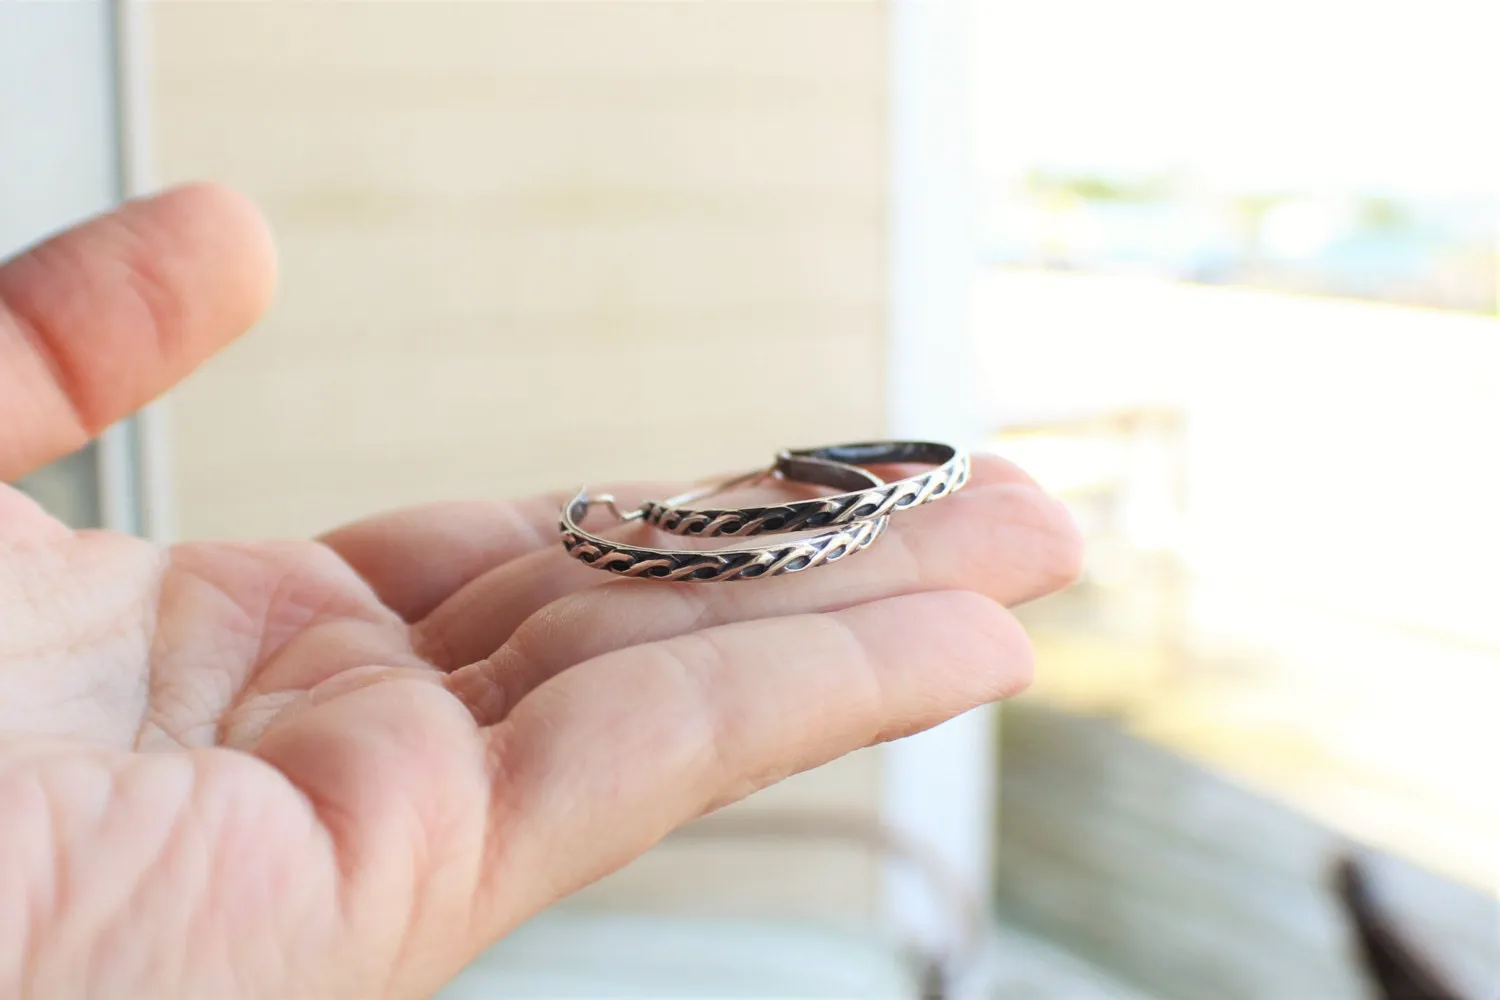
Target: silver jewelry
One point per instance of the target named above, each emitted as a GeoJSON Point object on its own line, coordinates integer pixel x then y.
{"type": "Point", "coordinates": [950, 473]}
{"type": "Point", "coordinates": [707, 567]}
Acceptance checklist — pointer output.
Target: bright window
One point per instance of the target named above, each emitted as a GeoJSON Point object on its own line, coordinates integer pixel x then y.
{"type": "Point", "coordinates": [1237, 302]}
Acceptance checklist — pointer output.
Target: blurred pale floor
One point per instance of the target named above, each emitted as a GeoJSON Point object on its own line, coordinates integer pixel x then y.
{"type": "Point", "coordinates": [576, 955]}
{"type": "Point", "coordinates": [571, 954]}
{"type": "Point", "coordinates": [1314, 611]}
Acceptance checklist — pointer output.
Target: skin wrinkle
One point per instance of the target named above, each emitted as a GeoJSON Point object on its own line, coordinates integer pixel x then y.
{"type": "Point", "coordinates": [371, 547]}
{"type": "Point", "coordinates": [695, 749]}
{"type": "Point", "coordinates": [517, 521]}
{"type": "Point", "coordinates": [350, 821]}
{"type": "Point", "coordinates": [283, 621]}
{"type": "Point", "coordinates": [337, 862]}
{"type": "Point", "coordinates": [270, 606]}
{"type": "Point", "coordinates": [230, 841]}
{"type": "Point", "coordinates": [189, 578]}
{"type": "Point", "coordinates": [699, 609]}
{"type": "Point", "coordinates": [528, 651]}
{"type": "Point", "coordinates": [61, 883]}
{"type": "Point", "coordinates": [150, 619]}
{"type": "Point", "coordinates": [119, 926]}
{"type": "Point", "coordinates": [499, 843]}
{"type": "Point", "coordinates": [495, 678]}
{"type": "Point", "coordinates": [96, 640]}
{"type": "Point", "coordinates": [338, 645]}
{"type": "Point", "coordinates": [190, 840]}
{"type": "Point", "coordinates": [205, 762]}
{"type": "Point", "coordinates": [37, 911]}
{"type": "Point", "coordinates": [320, 812]}
{"type": "Point", "coordinates": [114, 918]}
{"type": "Point", "coordinates": [697, 672]}
{"type": "Point", "coordinates": [431, 635]}
{"type": "Point", "coordinates": [37, 592]}
{"type": "Point", "coordinates": [870, 695]}
{"type": "Point", "coordinates": [31, 330]}
{"type": "Point", "coordinates": [512, 671]}
{"type": "Point", "coordinates": [251, 719]}
{"type": "Point", "coordinates": [154, 694]}
{"type": "Point", "coordinates": [323, 556]}
{"type": "Point", "coordinates": [432, 646]}
{"type": "Point", "coordinates": [143, 275]}
{"type": "Point", "coordinates": [443, 838]}
{"type": "Point", "coordinates": [422, 854]}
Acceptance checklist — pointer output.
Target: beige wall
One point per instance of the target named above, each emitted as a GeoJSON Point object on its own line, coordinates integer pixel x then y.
{"type": "Point", "coordinates": [529, 245]}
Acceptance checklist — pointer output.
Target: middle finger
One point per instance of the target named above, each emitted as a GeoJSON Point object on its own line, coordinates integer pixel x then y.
{"type": "Point", "coordinates": [481, 615]}
{"type": "Point", "coordinates": [1008, 542]}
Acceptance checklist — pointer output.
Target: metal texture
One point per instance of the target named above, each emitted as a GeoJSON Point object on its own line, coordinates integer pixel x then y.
{"type": "Point", "coordinates": [950, 473]}
{"type": "Point", "coordinates": [723, 565]}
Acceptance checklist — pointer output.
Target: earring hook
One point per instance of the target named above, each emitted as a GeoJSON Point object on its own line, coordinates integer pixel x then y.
{"type": "Point", "coordinates": [608, 500]}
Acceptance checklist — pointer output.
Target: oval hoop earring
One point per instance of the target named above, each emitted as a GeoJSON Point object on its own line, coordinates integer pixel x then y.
{"type": "Point", "coordinates": [724, 565]}
{"type": "Point", "coordinates": [950, 473]}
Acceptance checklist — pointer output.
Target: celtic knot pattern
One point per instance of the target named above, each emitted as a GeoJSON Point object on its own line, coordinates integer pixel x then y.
{"type": "Point", "coordinates": [717, 566]}
{"type": "Point", "coordinates": [842, 509]}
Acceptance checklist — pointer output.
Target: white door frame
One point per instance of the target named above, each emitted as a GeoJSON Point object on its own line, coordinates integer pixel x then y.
{"type": "Point", "coordinates": [939, 786]}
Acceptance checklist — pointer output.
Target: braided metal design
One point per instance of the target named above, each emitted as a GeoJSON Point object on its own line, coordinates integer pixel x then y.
{"type": "Point", "coordinates": [842, 509]}
{"type": "Point", "coordinates": [712, 567]}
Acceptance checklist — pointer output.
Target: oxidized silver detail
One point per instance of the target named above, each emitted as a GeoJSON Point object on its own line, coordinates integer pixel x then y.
{"type": "Point", "coordinates": [716, 566]}
{"type": "Point", "coordinates": [949, 476]}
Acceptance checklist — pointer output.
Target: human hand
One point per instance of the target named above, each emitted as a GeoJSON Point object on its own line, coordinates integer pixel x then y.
{"type": "Point", "coordinates": [343, 767]}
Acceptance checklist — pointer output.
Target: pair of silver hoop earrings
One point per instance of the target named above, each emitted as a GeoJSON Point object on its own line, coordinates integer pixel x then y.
{"type": "Point", "coordinates": [854, 519]}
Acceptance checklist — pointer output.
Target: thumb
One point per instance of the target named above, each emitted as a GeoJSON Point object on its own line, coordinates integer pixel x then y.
{"type": "Point", "coordinates": [103, 318]}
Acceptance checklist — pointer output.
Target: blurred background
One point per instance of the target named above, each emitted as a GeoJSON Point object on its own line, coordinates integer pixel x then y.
{"type": "Point", "coordinates": [1222, 275]}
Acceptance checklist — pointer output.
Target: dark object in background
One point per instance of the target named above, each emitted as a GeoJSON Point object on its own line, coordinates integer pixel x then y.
{"type": "Point", "coordinates": [1394, 965]}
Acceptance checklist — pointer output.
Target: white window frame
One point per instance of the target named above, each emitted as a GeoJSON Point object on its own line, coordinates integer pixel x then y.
{"type": "Point", "coordinates": [75, 57]}
{"type": "Point", "coordinates": [140, 446]}
{"type": "Point", "coordinates": [939, 787]}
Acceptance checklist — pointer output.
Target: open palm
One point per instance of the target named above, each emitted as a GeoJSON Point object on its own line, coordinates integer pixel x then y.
{"type": "Point", "coordinates": [342, 767]}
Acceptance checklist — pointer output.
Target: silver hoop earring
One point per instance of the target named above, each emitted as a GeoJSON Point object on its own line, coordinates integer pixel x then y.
{"type": "Point", "coordinates": [950, 473]}
{"type": "Point", "coordinates": [723, 565]}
